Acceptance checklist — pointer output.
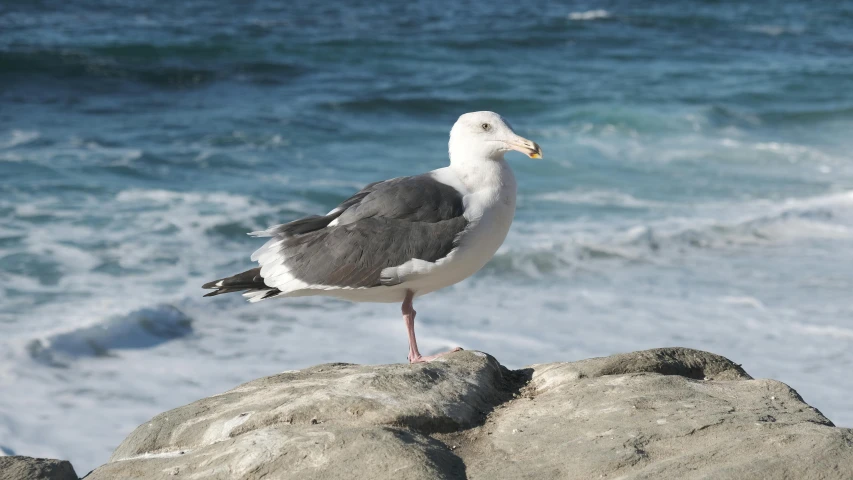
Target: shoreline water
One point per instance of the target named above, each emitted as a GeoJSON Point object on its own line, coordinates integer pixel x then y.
{"type": "Point", "coordinates": [697, 191]}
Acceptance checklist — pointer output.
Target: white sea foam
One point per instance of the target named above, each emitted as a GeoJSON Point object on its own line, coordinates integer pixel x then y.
{"type": "Point", "coordinates": [795, 152]}
{"type": "Point", "coordinates": [596, 197]}
{"type": "Point", "coordinates": [832, 331]}
{"type": "Point", "coordinates": [654, 272]}
{"type": "Point", "coordinates": [536, 249]}
{"type": "Point", "coordinates": [538, 317]}
{"type": "Point", "coordinates": [170, 196]}
{"type": "Point", "coordinates": [743, 300]}
{"type": "Point", "coordinates": [18, 137]}
{"type": "Point", "coordinates": [775, 30]}
{"type": "Point", "coordinates": [589, 15]}
{"type": "Point", "coordinates": [11, 157]}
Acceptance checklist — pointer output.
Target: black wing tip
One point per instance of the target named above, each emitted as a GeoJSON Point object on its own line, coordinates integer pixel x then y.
{"type": "Point", "coordinates": [272, 293]}
{"type": "Point", "coordinates": [269, 292]}
{"type": "Point", "coordinates": [226, 289]}
{"type": "Point", "coordinates": [211, 284]}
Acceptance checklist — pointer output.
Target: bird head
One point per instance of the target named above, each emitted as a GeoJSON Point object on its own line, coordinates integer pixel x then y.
{"type": "Point", "coordinates": [488, 135]}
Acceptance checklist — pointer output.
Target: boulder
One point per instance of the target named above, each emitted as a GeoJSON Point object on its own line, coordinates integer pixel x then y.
{"type": "Point", "coordinates": [663, 413]}
{"type": "Point", "coordinates": [18, 467]}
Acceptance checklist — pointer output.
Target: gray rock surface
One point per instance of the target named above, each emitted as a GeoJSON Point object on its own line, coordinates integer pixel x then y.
{"type": "Point", "coordinates": [663, 413]}
{"type": "Point", "coordinates": [18, 467]}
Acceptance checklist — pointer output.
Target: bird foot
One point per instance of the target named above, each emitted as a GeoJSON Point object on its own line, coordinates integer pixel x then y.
{"type": "Point", "coordinates": [418, 358]}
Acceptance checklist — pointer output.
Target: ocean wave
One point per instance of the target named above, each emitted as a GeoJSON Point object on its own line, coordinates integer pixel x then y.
{"type": "Point", "coordinates": [589, 15]}
{"type": "Point", "coordinates": [833, 331]}
{"type": "Point", "coordinates": [744, 301]}
{"type": "Point", "coordinates": [542, 250]}
{"type": "Point", "coordinates": [137, 248]}
{"type": "Point", "coordinates": [434, 105]}
{"type": "Point", "coordinates": [775, 30]}
{"type": "Point", "coordinates": [716, 116]}
{"type": "Point", "coordinates": [173, 66]}
{"type": "Point", "coordinates": [167, 197]}
{"type": "Point", "coordinates": [613, 130]}
{"type": "Point", "coordinates": [760, 222]}
{"type": "Point", "coordinates": [596, 198]}
{"type": "Point", "coordinates": [148, 238]}
{"type": "Point", "coordinates": [808, 115]}
{"type": "Point", "coordinates": [144, 328]}
{"type": "Point", "coordinates": [18, 137]}
{"type": "Point", "coordinates": [795, 152]}
{"type": "Point", "coordinates": [606, 124]}
{"type": "Point", "coordinates": [70, 64]}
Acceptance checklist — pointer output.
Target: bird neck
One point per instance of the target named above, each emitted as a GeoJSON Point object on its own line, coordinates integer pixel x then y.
{"type": "Point", "coordinates": [483, 174]}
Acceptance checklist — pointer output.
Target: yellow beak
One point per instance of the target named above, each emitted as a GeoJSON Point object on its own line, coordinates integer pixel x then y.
{"type": "Point", "coordinates": [527, 147]}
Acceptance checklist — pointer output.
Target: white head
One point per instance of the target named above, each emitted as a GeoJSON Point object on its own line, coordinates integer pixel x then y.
{"type": "Point", "coordinates": [487, 135]}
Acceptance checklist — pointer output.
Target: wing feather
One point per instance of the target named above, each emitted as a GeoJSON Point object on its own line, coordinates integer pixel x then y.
{"type": "Point", "coordinates": [386, 224]}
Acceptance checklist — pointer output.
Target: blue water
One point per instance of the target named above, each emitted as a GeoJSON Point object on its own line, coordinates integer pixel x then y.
{"type": "Point", "coordinates": [696, 190]}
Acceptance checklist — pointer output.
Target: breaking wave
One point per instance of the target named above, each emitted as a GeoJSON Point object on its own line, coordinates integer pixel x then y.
{"type": "Point", "coordinates": [543, 250]}
{"type": "Point", "coordinates": [144, 328]}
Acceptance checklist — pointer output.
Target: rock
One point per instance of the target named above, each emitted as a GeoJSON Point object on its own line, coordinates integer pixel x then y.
{"type": "Point", "coordinates": [650, 415]}
{"type": "Point", "coordinates": [663, 413]}
{"type": "Point", "coordinates": [18, 467]}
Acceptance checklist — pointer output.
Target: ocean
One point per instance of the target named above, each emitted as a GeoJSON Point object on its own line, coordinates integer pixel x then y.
{"type": "Point", "coordinates": [696, 190]}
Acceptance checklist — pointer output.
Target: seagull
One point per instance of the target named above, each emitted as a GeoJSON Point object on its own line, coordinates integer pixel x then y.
{"type": "Point", "coordinates": [400, 238]}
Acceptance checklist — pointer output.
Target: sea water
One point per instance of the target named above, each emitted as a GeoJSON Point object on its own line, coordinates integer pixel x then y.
{"type": "Point", "coordinates": [696, 190]}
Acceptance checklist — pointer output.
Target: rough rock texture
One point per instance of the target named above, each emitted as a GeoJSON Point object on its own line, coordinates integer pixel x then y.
{"type": "Point", "coordinates": [664, 413]}
{"type": "Point", "coordinates": [18, 467]}
{"type": "Point", "coordinates": [669, 413]}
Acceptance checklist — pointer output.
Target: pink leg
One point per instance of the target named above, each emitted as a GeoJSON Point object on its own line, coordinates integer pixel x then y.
{"type": "Point", "coordinates": [409, 317]}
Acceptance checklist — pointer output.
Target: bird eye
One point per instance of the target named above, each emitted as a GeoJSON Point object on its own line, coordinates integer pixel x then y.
{"type": "Point", "coordinates": [486, 126]}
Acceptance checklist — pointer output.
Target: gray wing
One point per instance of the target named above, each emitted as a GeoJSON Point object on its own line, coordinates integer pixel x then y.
{"type": "Point", "coordinates": [384, 225]}
{"type": "Point", "coordinates": [413, 199]}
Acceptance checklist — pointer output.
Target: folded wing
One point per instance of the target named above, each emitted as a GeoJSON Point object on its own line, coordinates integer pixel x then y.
{"type": "Point", "coordinates": [386, 224]}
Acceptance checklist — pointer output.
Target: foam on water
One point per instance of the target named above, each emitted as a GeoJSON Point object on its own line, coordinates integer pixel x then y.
{"type": "Point", "coordinates": [589, 15]}
{"type": "Point", "coordinates": [17, 137]}
{"type": "Point", "coordinates": [672, 234]}
{"type": "Point", "coordinates": [109, 299]}
{"type": "Point", "coordinates": [123, 356]}
{"type": "Point", "coordinates": [596, 197]}
{"type": "Point", "coordinates": [699, 199]}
